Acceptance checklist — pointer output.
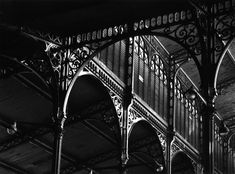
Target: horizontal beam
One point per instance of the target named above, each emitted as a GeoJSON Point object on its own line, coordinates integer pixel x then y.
{"type": "Point", "coordinates": [106, 156]}
{"type": "Point", "coordinates": [97, 131]}
{"type": "Point", "coordinates": [32, 137]}
{"type": "Point", "coordinates": [13, 168]}
{"type": "Point", "coordinates": [50, 149]}
{"type": "Point", "coordinates": [91, 162]}
{"type": "Point", "coordinates": [30, 84]}
{"type": "Point", "coordinates": [19, 139]}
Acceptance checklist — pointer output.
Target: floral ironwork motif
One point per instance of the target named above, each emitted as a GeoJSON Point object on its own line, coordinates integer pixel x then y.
{"type": "Point", "coordinates": [225, 32]}
{"type": "Point", "coordinates": [174, 149]}
{"type": "Point", "coordinates": [41, 66]}
{"type": "Point", "coordinates": [194, 164]}
{"type": "Point", "coordinates": [133, 117]}
{"type": "Point", "coordinates": [76, 59]}
{"type": "Point", "coordinates": [118, 105]}
{"type": "Point", "coordinates": [178, 27]}
{"type": "Point", "coordinates": [162, 139]}
{"type": "Point", "coordinates": [56, 57]}
{"type": "Point", "coordinates": [186, 35]}
{"type": "Point", "coordinates": [225, 26]}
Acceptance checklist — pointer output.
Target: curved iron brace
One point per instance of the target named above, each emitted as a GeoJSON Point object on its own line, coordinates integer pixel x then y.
{"type": "Point", "coordinates": [230, 135]}
{"type": "Point", "coordinates": [220, 60]}
{"type": "Point", "coordinates": [56, 65]}
{"type": "Point", "coordinates": [225, 25]}
{"type": "Point", "coordinates": [99, 48]}
{"type": "Point", "coordinates": [225, 29]}
{"type": "Point", "coordinates": [106, 120]}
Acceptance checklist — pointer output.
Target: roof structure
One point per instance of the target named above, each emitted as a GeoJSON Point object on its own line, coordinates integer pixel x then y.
{"type": "Point", "coordinates": [24, 24]}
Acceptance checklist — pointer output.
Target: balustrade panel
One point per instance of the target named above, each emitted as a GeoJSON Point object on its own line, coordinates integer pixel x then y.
{"type": "Point", "coordinates": [231, 155]}
{"type": "Point", "coordinates": [186, 117]}
{"type": "Point", "coordinates": [114, 58]}
{"type": "Point", "coordinates": [149, 77]}
{"type": "Point", "coordinates": [150, 83]}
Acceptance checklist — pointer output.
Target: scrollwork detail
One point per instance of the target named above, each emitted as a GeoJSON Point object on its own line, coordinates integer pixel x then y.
{"type": "Point", "coordinates": [162, 140]}
{"type": "Point", "coordinates": [185, 34]}
{"type": "Point", "coordinates": [225, 26]}
{"type": "Point", "coordinates": [133, 117]}
{"type": "Point", "coordinates": [174, 149]}
{"type": "Point", "coordinates": [117, 104]}
{"type": "Point", "coordinates": [76, 59]}
{"type": "Point", "coordinates": [194, 164]}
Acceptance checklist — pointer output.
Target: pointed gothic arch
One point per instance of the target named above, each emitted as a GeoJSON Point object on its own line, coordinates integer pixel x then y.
{"type": "Point", "coordinates": [181, 164]}
{"type": "Point", "coordinates": [145, 150]}
{"type": "Point", "coordinates": [92, 133]}
{"type": "Point", "coordinates": [221, 59]}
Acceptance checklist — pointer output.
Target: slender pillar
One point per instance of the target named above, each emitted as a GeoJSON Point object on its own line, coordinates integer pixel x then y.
{"type": "Point", "coordinates": [225, 154]}
{"type": "Point", "coordinates": [208, 114]}
{"type": "Point", "coordinates": [124, 156]}
{"type": "Point", "coordinates": [170, 110]}
{"type": "Point", "coordinates": [60, 86]}
{"type": "Point", "coordinates": [127, 99]}
{"type": "Point", "coordinates": [208, 139]}
{"type": "Point", "coordinates": [208, 72]}
{"type": "Point", "coordinates": [59, 127]}
{"type": "Point", "coordinates": [169, 141]}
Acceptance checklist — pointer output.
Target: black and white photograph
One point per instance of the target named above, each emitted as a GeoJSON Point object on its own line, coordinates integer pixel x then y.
{"type": "Point", "coordinates": [117, 86]}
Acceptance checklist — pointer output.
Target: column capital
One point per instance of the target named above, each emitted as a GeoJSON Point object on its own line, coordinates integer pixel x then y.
{"type": "Point", "coordinates": [212, 94]}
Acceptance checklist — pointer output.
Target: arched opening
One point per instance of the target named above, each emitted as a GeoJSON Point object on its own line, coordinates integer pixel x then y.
{"type": "Point", "coordinates": [92, 132]}
{"type": "Point", "coordinates": [145, 151]}
{"type": "Point", "coordinates": [150, 60]}
{"type": "Point", "coordinates": [181, 164]}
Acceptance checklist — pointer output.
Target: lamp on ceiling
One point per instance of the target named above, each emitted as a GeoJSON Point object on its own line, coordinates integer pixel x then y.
{"type": "Point", "coordinates": [223, 129]}
{"type": "Point", "coordinates": [159, 167]}
{"type": "Point", "coordinates": [12, 129]}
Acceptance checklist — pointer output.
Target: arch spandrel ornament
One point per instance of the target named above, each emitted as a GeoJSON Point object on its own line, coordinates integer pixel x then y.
{"type": "Point", "coordinates": [162, 139]}
{"type": "Point", "coordinates": [133, 118]}
{"type": "Point", "coordinates": [117, 101]}
{"type": "Point", "coordinates": [178, 27]}
{"type": "Point", "coordinates": [174, 149]}
{"type": "Point", "coordinates": [225, 25]}
{"type": "Point", "coordinates": [195, 166]}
